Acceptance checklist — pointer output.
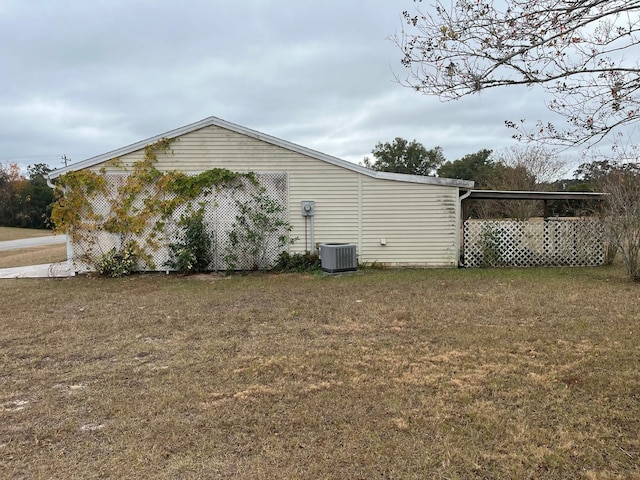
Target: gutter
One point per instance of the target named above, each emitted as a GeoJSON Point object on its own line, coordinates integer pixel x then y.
{"type": "Point", "coordinates": [49, 184]}
{"type": "Point", "coordinates": [466, 195]}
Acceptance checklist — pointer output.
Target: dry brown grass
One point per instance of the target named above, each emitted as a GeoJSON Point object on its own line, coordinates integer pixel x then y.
{"type": "Point", "coordinates": [387, 374]}
{"type": "Point", "coordinates": [33, 256]}
{"type": "Point", "coordinates": [11, 233]}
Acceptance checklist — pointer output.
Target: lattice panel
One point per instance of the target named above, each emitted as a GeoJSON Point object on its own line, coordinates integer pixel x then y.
{"type": "Point", "coordinates": [548, 242]}
{"type": "Point", "coordinates": [220, 211]}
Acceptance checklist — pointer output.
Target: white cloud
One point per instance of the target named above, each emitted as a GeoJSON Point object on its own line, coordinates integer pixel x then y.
{"type": "Point", "coordinates": [82, 78]}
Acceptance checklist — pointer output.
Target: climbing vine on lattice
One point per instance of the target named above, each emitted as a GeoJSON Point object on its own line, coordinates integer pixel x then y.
{"type": "Point", "coordinates": [137, 213]}
{"type": "Point", "coordinates": [258, 228]}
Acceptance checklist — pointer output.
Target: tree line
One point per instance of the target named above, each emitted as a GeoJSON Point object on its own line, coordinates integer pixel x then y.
{"type": "Point", "coordinates": [25, 200]}
{"type": "Point", "coordinates": [523, 168]}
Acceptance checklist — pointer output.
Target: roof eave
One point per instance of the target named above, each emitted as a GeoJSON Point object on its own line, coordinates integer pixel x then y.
{"type": "Point", "coordinates": [448, 182]}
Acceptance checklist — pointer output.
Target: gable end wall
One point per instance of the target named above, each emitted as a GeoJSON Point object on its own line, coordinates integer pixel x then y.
{"type": "Point", "coordinates": [419, 222]}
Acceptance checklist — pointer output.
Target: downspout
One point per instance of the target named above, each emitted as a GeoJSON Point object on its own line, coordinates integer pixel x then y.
{"type": "Point", "coordinates": [466, 195]}
{"type": "Point", "coordinates": [462, 209]}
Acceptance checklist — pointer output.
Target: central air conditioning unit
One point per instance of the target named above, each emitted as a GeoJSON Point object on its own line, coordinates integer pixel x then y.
{"type": "Point", "coordinates": [338, 257]}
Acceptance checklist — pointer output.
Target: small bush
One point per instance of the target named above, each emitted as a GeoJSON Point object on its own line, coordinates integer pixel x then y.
{"type": "Point", "coordinates": [118, 263]}
{"type": "Point", "coordinates": [259, 227]}
{"type": "Point", "coordinates": [298, 262]}
{"type": "Point", "coordinates": [491, 244]}
{"type": "Point", "coordinates": [193, 253]}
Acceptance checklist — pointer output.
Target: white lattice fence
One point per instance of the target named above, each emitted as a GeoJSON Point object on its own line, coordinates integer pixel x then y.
{"type": "Point", "coordinates": [220, 211]}
{"type": "Point", "coordinates": [548, 242]}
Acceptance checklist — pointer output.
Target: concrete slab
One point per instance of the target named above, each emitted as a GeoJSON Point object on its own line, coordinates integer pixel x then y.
{"type": "Point", "coordinates": [47, 270]}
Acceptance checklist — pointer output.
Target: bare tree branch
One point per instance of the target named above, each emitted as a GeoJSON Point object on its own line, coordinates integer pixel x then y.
{"type": "Point", "coordinates": [583, 53]}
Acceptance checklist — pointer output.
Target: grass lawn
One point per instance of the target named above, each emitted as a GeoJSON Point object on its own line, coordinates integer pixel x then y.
{"type": "Point", "coordinates": [33, 256]}
{"type": "Point", "coordinates": [11, 233]}
{"type": "Point", "coordinates": [29, 256]}
{"type": "Point", "coordinates": [389, 374]}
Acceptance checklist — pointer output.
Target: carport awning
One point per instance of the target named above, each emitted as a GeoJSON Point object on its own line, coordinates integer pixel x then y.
{"type": "Point", "coordinates": [530, 195]}
{"type": "Point", "coordinates": [525, 195]}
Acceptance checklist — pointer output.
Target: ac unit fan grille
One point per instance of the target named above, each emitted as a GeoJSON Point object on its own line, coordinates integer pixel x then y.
{"type": "Point", "coordinates": [338, 257]}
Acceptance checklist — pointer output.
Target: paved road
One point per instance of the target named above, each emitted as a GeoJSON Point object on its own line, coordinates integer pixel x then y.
{"type": "Point", "coordinates": [32, 242]}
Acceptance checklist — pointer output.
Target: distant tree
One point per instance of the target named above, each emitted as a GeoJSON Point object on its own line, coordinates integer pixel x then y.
{"type": "Point", "coordinates": [4, 176]}
{"type": "Point", "coordinates": [38, 171]}
{"type": "Point", "coordinates": [529, 168]}
{"type": "Point", "coordinates": [6, 196]}
{"type": "Point", "coordinates": [512, 177]}
{"type": "Point", "coordinates": [620, 212]}
{"type": "Point", "coordinates": [402, 156]}
{"type": "Point", "coordinates": [541, 164]}
{"type": "Point", "coordinates": [591, 173]}
{"type": "Point", "coordinates": [572, 185]}
{"type": "Point", "coordinates": [10, 172]}
{"type": "Point", "coordinates": [477, 167]}
{"type": "Point", "coordinates": [12, 185]}
{"type": "Point", "coordinates": [581, 52]}
{"type": "Point", "coordinates": [37, 207]}
{"type": "Point", "coordinates": [25, 202]}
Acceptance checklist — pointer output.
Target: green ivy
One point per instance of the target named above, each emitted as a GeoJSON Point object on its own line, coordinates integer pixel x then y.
{"type": "Point", "coordinates": [161, 192]}
{"type": "Point", "coordinates": [191, 186]}
{"type": "Point", "coordinates": [252, 233]}
{"type": "Point", "coordinates": [491, 245]}
{"type": "Point", "coordinates": [193, 253]}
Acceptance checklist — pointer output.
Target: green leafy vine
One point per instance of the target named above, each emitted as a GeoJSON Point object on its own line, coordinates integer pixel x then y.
{"type": "Point", "coordinates": [137, 210]}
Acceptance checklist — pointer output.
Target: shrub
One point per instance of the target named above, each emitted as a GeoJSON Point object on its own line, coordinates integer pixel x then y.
{"type": "Point", "coordinates": [298, 262]}
{"type": "Point", "coordinates": [193, 253]}
{"type": "Point", "coordinates": [491, 245]}
{"type": "Point", "coordinates": [118, 263]}
{"type": "Point", "coordinates": [258, 229]}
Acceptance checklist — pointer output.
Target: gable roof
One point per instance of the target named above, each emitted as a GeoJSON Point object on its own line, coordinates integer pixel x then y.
{"type": "Point", "coordinates": [218, 122]}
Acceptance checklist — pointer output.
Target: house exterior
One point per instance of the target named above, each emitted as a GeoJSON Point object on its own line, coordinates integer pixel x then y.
{"type": "Point", "coordinates": [394, 219]}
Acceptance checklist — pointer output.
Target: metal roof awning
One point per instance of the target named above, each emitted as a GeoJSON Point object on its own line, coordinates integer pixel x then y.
{"type": "Point", "coordinates": [531, 195]}
{"type": "Point", "coordinates": [525, 195]}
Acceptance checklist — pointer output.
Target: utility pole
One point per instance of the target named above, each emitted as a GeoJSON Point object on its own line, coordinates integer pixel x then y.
{"type": "Point", "coordinates": [65, 160]}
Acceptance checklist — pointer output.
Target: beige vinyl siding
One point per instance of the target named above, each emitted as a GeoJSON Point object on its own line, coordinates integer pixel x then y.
{"type": "Point", "coordinates": [333, 189]}
{"type": "Point", "coordinates": [418, 221]}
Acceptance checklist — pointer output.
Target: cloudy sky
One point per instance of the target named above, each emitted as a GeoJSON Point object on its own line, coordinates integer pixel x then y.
{"type": "Point", "coordinates": [80, 78]}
